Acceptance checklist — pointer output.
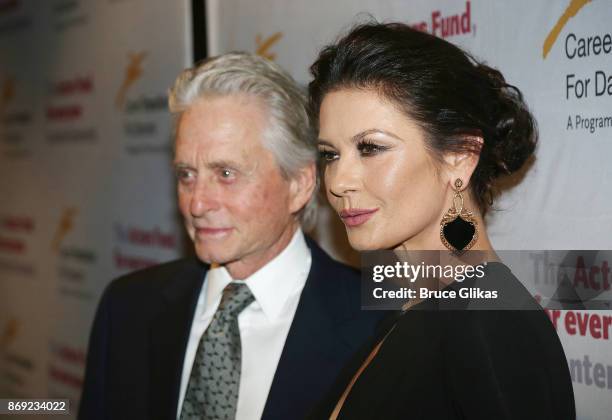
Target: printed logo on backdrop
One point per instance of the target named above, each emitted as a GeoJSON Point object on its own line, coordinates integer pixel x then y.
{"type": "Point", "coordinates": [446, 23]}
{"type": "Point", "coordinates": [133, 73]}
{"type": "Point", "coordinates": [64, 227]}
{"type": "Point", "coordinates": [7, 93]}
{"type": "Point", "coordinates": [68, 14]}
{"type": "Point", "coordinates": [16, 367]}
{"type": "Point", "coordinates": [14, 120]}
{"type": "Point", "coordinates": [65, 370]}
{"type": "Point", "coordinates": [68, 115]}
{"type": "Point", "coordinates": [139, 247]}
{"type": "Point", "coordinates": [263, 45]}
{"type": "Point", "coordinates": [586, 54]}
{"type": "Point", "coordinates": [9, 333]}
{"type": "Point", "coordinates": [75, 263]}
{"type": "Point", "coordinates": [145, 115]}
{"type": "Point", "coordinates": [16, 232]}
{"type": "Point", "coordinates": [12, 18]}
{"type": "Point", "coordinates": [579, 276]}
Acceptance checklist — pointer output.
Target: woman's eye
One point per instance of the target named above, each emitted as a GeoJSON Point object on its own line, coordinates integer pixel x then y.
{"type": "Point", "coordinates": [369, 149]}
{"type": "Point", "coordinates": [327, 155]}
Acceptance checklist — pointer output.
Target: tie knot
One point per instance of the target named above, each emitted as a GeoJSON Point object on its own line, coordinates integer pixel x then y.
{"type": "Point", "coordinates": [236, 297]}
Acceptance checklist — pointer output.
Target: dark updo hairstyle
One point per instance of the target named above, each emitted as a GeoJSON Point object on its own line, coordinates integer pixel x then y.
{"type": "Point", "coordinates": [443, 88]}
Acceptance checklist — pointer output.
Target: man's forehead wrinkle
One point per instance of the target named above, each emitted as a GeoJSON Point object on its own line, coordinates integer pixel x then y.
{"type": "Point", "coordinates": [254, 168]}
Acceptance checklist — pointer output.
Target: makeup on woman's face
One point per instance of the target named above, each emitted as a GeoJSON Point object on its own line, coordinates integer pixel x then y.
{"type": "Point", "coordinates": [378, 174]}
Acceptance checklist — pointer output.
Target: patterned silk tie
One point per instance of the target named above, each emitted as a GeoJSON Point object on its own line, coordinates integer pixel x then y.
{"type": "Point", "coordinates": [212, 391]}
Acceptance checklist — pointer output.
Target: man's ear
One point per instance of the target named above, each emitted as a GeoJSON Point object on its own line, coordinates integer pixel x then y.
{"type": "Point", "coordinates": [301, 187]}
{"type": "Point", "coordinates": [462, 164]}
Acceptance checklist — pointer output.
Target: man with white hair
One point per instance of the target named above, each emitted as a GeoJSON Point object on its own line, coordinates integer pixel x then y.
{"type": "Point", "coordinates": [259, 325]}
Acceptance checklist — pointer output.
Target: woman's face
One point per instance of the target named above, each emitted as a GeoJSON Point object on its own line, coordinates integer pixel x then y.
{"type": "Point", "coordinates": [379, 176]}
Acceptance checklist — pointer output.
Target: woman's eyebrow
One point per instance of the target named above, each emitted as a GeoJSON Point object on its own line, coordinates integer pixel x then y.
{"type": "Point", "coordinates": [360, 136]}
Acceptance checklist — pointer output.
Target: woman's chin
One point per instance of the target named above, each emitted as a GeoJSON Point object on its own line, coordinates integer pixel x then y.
{"type": "Point", "coordinates": [360, 243]}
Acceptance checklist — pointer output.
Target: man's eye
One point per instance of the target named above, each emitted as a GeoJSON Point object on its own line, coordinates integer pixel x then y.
{"type": "Point", "coordinates": [184, 175]}
{"type": "Point", "coordinates": [226, 173]}
{"type": "Point", "coordinates": [327, 155]}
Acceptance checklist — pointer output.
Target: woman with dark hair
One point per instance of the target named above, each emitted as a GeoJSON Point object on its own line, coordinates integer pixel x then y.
{"type": "Point", "coordinates": [409, 125]}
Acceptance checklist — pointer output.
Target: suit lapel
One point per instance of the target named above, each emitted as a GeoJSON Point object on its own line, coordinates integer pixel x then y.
{"type": "Point", "coordinates": [314, 345]}
{"type": "Point", "coordinates": [169, 335]}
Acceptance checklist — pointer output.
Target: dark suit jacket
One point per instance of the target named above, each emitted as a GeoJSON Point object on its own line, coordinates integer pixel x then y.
{"type": "Point", "coordinates": [142, 324]}
{"type": "Point", "coordinates": [444, 364]}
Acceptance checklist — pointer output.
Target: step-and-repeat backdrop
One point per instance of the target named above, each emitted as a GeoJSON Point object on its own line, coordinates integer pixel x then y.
{"type": "Point", "coordinates": [86, 188]}
{"type": "Point", "coordinates": [559, 53]}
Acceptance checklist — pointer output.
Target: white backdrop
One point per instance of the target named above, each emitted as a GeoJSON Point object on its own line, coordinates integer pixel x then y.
{"type": "Point", "coordinates": [564, 200]}
{"type": "Point", "coordinates": [86, 190]}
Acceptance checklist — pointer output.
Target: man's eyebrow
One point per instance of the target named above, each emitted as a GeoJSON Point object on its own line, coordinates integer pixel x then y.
{"type": "Point", "coordinates": [324, 142]}
{"type": "Point", "coordinates": [223, 163]}
{"type": "Point", "coordinates": [220, 163]}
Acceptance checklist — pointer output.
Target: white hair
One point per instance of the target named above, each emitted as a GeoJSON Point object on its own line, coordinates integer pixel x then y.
{"type": "Point", "coordinates": [289, 136]}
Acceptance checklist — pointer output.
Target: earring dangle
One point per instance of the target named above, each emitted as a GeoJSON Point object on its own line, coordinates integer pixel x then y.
{"type": "Point", "coordinates": [458, 227]}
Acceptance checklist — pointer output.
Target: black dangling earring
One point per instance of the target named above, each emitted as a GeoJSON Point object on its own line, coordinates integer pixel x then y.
{"type": "Point", "coordinates": [458, 228]}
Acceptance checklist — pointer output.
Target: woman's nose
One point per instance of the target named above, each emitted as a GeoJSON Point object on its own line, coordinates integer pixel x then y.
{"type": "Point", "coordinates": [343, 178]}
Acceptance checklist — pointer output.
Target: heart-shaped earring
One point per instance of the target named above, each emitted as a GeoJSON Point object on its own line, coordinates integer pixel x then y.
{"type": "Point", "coordinates": [458, 228]}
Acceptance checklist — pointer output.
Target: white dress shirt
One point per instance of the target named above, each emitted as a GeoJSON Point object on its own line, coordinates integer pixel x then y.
{"type": "Point", "coordinates": [264, 324]}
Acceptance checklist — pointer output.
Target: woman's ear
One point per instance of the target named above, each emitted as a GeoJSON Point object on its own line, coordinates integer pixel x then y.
{"type": "Point", "coordinates": [462, 164]}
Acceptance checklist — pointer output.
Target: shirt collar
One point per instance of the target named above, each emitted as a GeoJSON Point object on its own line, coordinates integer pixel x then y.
{"type": "Point", "coordinates": [274, 284]}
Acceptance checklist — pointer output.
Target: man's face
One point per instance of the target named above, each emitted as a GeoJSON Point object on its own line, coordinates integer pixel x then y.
{"type": "Point", "coordinates": [236, 204]}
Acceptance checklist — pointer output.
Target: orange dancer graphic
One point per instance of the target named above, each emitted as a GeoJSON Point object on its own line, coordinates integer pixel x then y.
{"type": "Point", "coordinates": [574, 7]}
{"type": "Point", "coordinates": [65, 225]}
{"type": "Point", "coordinates": [133, 72]}
{"type": "Point", "coordinates": [7, 93]}
{"type": "Point", "coordinates": [264, 45]}
{"type": "Point", "coordinates": [9, 332]}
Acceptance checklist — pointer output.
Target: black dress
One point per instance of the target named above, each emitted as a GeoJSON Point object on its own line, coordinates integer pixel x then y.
{"type": "Point", "coordinates": [461, 364]}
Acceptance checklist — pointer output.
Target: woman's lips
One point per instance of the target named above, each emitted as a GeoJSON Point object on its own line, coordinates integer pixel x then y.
{"type": "Point", "coordinates": [356, 217]}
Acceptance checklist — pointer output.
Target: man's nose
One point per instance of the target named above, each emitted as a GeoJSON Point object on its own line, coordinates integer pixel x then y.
{"type": "Point", "coordinates": [343, 179]}
{"type": "Point", "coordinates": [203, 199]}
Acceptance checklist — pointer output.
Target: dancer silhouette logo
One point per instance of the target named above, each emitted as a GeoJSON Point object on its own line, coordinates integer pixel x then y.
{"type": "Point", "coordinates": [264, 45]}
{"type": "Point", "coordinates": [7, 93]}
{"type": "Point", "coordinates": [571, 11]}
{"type": "Point", "coordinates": [133, 73]}
{"type": "Point", "coordinates": [9, 333]}
{"type": "Point", "coordinates": [65, 226]}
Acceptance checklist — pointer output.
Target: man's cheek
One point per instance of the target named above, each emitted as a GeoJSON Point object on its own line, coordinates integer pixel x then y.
{"type": "Point", "coordinates": [183, 204]}
{"type": "Point", "coordinates": [255, 202]}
